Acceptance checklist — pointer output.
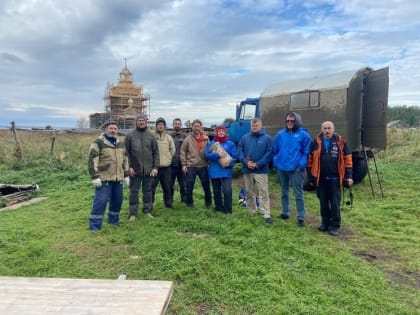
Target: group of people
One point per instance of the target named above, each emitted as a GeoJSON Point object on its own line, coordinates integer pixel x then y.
{"type": "Point", "coordinates": [147, 158]}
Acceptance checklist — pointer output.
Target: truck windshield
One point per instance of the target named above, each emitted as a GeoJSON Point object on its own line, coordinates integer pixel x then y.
{"type": "Point", "coordinates": [247, 111]}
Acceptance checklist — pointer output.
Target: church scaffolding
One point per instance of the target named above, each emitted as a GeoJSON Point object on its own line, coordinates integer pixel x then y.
{"type": "Point", "coordinates": [123, 103]}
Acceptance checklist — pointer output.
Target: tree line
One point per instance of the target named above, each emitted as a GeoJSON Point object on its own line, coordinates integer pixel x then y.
{"type": "Point", "coordinates": [409, 116]}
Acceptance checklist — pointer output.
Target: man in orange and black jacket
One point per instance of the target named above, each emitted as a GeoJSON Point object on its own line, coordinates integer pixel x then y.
{"type": "Point", "coordinates": [330, 167]}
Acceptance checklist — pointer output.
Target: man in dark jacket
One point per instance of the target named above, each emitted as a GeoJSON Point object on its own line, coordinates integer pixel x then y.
{"type": "Point", "coordinates": [255, 153]}
{"type": "Point", "coordinates": [143, 160]}
{"type": "Point", "coordinates": [176, 166]}
{"type": "Point", "coordinates": [330, 165]}
{"type": "Point", "coordinates": [291, 149]}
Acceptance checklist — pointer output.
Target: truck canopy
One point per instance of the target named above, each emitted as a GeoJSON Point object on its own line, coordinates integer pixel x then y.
{"type": "Point", "coordinates": [338, 80]}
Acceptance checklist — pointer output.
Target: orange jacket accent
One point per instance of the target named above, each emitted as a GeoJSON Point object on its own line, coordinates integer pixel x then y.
{"type": "Point", "coordinates": [314, 159]}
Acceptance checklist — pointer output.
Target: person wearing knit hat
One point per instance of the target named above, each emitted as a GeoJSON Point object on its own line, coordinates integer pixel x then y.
{"type": "Point", "coordinates": [221, 153]}
{"type": "Point", "coordinates": [141, 117]}
{"type": "Point", "coordinates": [108, 168]}
{"type": "Point", "coordinates": [166, 152]}
{"type": "Point", "coordinates": [143, 160]}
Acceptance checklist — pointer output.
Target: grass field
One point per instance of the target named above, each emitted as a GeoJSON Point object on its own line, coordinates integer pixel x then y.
{"type": "Point", "coordinates": [221, 264]}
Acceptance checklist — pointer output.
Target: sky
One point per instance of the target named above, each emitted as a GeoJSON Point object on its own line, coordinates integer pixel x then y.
{"type": "Point", "coordinates": [195, 58]}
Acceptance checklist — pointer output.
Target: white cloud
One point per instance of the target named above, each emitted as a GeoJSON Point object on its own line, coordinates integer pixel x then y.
{"type": "Point", "coordinates": [195, 58]}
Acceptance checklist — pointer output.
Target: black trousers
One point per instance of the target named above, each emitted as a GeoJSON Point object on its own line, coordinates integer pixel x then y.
{"type": "Point", "coordinates": [178, 174]}
{"type": "Point", "coordinates": [203, 175]}
{"type": "Point", "coordinates": [329, 194]}
{"type": "Point", "coordinates": [164, 178]}
{"type": "Point", "coordinates": [222, 192]}
{"type": "Point", "coordinates": [146, 182]}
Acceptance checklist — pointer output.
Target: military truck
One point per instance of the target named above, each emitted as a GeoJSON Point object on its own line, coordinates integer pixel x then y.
{"type": "Point", "coordinates": [356, 101]}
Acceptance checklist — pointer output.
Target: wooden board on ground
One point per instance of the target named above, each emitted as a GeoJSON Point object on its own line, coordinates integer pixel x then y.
{"type": "Point", "coordinates": [30, 296]}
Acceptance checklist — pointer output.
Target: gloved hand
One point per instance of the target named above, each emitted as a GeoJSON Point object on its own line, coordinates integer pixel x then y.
{"type": "Point", "coordinates": [97, 182]}
{"type": "Point", "coordinates": [126, 181]}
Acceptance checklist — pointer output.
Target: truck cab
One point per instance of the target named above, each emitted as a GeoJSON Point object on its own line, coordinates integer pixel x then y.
{"type": "Point", "coordinates": [245, 111]}
{"type": "Point", "coordinates": [356, 101]}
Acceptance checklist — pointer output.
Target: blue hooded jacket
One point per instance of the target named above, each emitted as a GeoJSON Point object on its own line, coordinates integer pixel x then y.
{"type": "Point", "coordinates": [255, 147]}
{"type": "Point", "coordinates": [291, 147]}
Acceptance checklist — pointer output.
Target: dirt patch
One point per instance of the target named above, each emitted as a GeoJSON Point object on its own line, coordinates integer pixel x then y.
{"type": "Point", "coordinates": [376, 256]}
{"type": "Point", "coordinates": [382, 259]}
{"type": "Point", "coordinates": [408, 278]}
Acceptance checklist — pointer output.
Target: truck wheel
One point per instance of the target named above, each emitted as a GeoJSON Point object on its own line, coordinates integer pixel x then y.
{"type": "Point", "coordinates": [360, 169]}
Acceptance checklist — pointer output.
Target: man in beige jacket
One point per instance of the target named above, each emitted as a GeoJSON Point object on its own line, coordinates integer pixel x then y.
{"type": "Point", "coordinates": [166, 152]}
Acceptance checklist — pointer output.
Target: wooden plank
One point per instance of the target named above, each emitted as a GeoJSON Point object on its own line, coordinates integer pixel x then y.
{"type": "Point", "coordinates": [25, 203]}
{"type": "Point", "coordinates": [40, 296]}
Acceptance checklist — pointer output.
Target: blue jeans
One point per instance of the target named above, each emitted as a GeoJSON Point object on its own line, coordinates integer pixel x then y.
{"type": "Point", "coordinates": [109, 191]}
{"type": "Point", "coordinates": [222, 191]}
{"type": "Point", "coordinates": [295, 179]}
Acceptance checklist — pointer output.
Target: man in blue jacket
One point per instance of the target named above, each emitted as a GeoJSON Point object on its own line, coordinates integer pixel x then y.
{"type": "Point", "coordinates": [255, 153]}
{"type": "Point", "coordinates": [291, 149]}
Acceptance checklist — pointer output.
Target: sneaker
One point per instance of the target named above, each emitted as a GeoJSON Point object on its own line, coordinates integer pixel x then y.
{"type": "Point", "coordinates": [132, 218]}
{"type": "Point", "coordinates": [301, 223]}
{"type": "Point", "coordinates": [284, 216]}
{"type": "Point", "coordinates": [269, 220]}
{"type": "Point", "coordinates": [149, 215]}
{"type": "Point", "coordinates": [333, 231]}
{"type": "Point", "coordinates": [323, 228]}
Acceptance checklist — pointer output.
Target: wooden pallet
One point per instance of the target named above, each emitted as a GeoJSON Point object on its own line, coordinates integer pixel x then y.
{"type": "Point", "coordinates": [36, 296]}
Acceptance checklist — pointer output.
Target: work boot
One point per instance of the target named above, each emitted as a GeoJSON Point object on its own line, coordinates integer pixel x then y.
{"type": "Point", "coordinates": [333, 231]}
{"type": "Point", "coordinates": [323, 228]}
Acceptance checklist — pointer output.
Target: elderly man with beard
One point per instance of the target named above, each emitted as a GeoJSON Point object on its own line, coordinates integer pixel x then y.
{"type": "Point", "coordinates": [330, 167]}
{"type": "Point", "coordinates": [143, 160]}
{"type": "Point", "coordinates": [108, 168]}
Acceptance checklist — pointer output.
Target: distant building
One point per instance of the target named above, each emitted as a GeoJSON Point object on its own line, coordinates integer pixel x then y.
{"type": "Point", "coordinates": [123, 103]}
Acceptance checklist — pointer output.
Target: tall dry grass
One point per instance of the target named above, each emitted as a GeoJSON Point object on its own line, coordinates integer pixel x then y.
{"type": "Point", "coordinates": [41, 148]}
{"type": "Point", "coordinates": [402, 145]}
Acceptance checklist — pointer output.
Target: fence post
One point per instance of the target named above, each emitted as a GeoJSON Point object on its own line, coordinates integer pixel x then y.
{"type": "Point", "coordinates": [18, 150]}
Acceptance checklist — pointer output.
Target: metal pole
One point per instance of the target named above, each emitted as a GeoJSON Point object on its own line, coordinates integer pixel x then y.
{"type": "Point", "coordinates": [367, 163]}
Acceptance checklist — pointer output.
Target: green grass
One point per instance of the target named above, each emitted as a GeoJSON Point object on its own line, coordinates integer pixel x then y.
{"type": "Point", "coordinates": [223, 264]}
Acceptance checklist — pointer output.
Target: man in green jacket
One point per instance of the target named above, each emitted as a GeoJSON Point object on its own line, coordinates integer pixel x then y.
{"type": "Point", "coordinates": [143, 161]}
{"type": "Point", "coordinates": [108, 167]}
